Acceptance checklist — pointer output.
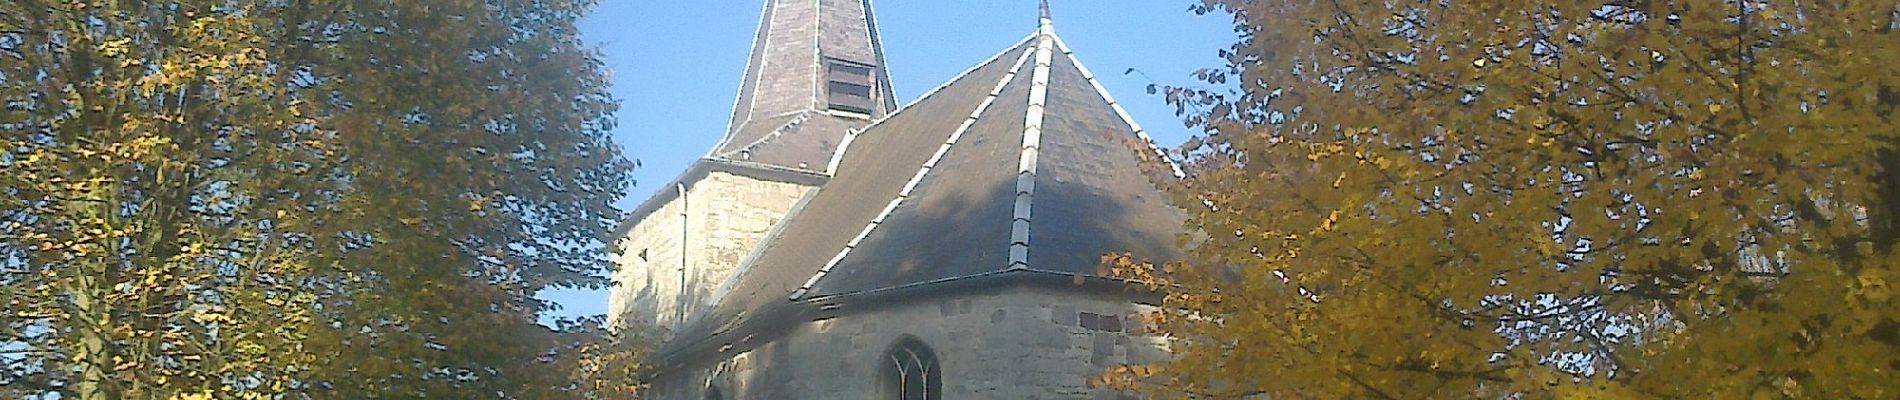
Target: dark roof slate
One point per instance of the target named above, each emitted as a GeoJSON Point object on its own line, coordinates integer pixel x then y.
{"type": "Point", "coordinates": [804, 140]}
{"type": "Point", "coordinates": [786, 78]}
{"type": "Point", "coordinates": [956, 221]}
{"type": "Point", "coordinates": [863, 185]}
{"type": "Point", "coordinates": [1089, 197]}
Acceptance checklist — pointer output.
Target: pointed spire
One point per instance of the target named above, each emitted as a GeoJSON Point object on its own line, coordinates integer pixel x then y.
{"type": "Point", "coordinates": [816, 71]}
{"type": "Point", "coordinates": [1045, 22]}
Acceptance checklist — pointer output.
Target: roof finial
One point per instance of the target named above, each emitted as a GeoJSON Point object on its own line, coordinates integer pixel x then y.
{"type": "Point", "coordinates": [1045, 13]}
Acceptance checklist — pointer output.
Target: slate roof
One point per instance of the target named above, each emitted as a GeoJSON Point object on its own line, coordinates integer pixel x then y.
{"type": "Point", "coordinates": [780, 115]}
{"type": "Point", "coordinates": [1021, 166]}
{"type": "Point", "coordinates": [804, 140]}
{"type": "Point", "coordinates": [779, 131]}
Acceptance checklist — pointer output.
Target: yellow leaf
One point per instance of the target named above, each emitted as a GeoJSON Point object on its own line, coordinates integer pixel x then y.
{"type": "Point", "coordinates": [1327, 224]}
{"type": "Point", "coordinates": [1873, 287]}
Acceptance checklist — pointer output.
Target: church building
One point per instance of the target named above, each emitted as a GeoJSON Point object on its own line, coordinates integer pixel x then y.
{"type": "Point", "coordinates": [838, 246]}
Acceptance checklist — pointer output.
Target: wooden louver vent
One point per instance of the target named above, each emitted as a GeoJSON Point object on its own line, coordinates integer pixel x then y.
{"type": "Point", "coordinates": [849, 86]}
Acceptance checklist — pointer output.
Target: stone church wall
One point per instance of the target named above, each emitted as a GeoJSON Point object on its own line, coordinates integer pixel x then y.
{"type": "Point", "coordinates": [726, 215]}
{"type": "Point", "coordinates": [1020, 343]}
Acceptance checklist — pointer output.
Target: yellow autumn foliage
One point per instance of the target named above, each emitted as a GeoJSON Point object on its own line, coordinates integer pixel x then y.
{"type": "Point", "coordinates": [1546, 199]}
{"type": "Point", "coordinates": [199, 199]}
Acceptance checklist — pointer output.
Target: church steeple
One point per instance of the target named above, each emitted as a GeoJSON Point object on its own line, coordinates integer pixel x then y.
{"type": "Point", "coordinates": [1045, 21]}
{"type": "Point", "coordinates": [816, 71]}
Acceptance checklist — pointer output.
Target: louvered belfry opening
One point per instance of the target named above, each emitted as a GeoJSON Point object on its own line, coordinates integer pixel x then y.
{"type": "Point", "coordinates": [849, 86]}
{"type": "Point", "coordinates": [815, 73]}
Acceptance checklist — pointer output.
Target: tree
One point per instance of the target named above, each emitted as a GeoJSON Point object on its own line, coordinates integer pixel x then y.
{"type": "Point", "coordinates": [319, 198]}
{"type": "Point", "coordinates": [1539, 199]}
{"type": "Point", "coordinates": [152, 246]}
{"type": "Point", "coordinates": [606, 361]}
{"type": "Point", "coordinates": [484, 127]}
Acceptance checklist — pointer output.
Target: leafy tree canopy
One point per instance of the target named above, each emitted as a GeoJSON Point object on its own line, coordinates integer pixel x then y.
{"type": "Point", "coordinates": [306, 198]}
{"type": "Point", "coordinates": [1540, 199]}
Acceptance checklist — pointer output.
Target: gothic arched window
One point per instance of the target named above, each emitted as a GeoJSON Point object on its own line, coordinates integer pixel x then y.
{"type": "Point", "coordinates": [910, 372]}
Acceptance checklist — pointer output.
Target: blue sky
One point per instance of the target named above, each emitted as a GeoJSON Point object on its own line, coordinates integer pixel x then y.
{"type": "Point", "coordinates": [676, 66]}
